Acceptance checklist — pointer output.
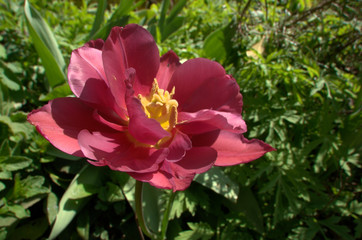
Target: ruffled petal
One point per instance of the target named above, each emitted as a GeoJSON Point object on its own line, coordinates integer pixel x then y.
{"type": "Point", "coordinates": [210, 120]}
{"type": "Point", "coordinates": [203, 84]}
{"type": "Point", "coordinates": [98, 44]}
{"type": "Point", "coordinates": [119, 153]}
{"type": "Point", "coordinates": [87, 80]}
{"type": "Point", "coordinates": [143, 129]}
{"type": "Point", "coordinates": [169, 63]}
{"type": "Point", "coordinates": [178, 147]}
{"type": "Point", "coordinates": [130, 47]}
{"type": "Point", "coordinates": [197, 160]}
{"type": "Point", "coordinates": [232, 148]}
{"type": "Point", "coordinates": [61, 120]}
{"type": "Point", "coordinates": [178, 176]}
{"type": "Point", "coordinates": [85, 64]}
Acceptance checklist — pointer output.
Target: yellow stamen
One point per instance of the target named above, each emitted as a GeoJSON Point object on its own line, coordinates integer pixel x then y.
{"type": "Point", "coordinates": [159, 105]}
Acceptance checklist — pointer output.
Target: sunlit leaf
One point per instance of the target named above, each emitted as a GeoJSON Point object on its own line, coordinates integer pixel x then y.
{"type": "Point", "coordinates": [58, 92]}
{"type": "Point", "coordinates": [198, 231]}
{"type": "Point", "coordinates": [76, 196]}
{"type": "Point", "coordinates": [219, 182]}
{"type": "Point", "coordinates": [101, 8]}
{"type": "Point", "coordinates": [45, 45]}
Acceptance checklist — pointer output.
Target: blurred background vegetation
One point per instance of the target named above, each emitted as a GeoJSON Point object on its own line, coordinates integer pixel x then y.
{"type": "Point", "coordinates": [298, 64]}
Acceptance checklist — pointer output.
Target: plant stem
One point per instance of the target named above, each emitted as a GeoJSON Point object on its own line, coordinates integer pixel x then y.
{"type": "Point", "coordinates": [166, 215]}
{"type": "Point", "coordinates": [139, 210]}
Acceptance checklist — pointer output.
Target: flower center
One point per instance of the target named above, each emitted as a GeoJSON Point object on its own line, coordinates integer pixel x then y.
{"type": "Point", "coordinates": [160, 106]}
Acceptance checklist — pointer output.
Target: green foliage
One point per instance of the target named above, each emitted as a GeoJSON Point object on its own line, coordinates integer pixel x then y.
{"type": "Point", "coordinates": [298, 66]}
{"type": "Point", "coordinates": [45, 45]}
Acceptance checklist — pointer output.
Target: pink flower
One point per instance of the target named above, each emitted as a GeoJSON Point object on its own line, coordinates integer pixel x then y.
{"type": "Point", "coordinates": [158, 120]}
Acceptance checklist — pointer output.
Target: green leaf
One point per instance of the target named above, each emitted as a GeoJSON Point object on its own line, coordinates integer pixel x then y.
{"type": "Point", "coordinates": [249, 205]}
{"type": "Point", "coordinates": [5, 148]}
{"type": "Point", "coordinates": [119, 17]}
{"type": "Point", "coordinates": [52, 151]}
{"type": "Point", "coordinates": [28, 187]}
{"type": "Point", "coordinates": [5, 175]}
{"type": "Point", "coordinates": [8, 78]}
{"type": "Point", "coordinates": [19, 211]}
{"type": "Point", "coordinates": [153, 205]}
{"type": "Point", "coordinates": [45, 45]}
{"type": "Point", "coordinates": [32, 230]}
{"type": "Point", "coordinates": [218, 44]}
{"type": "Point", "coordinates": [102, 6]}
{"type": "Point", "coordinates": [76, 196]}
{"type": "Point", "coordinates": [176, 10]}
{"type": "Point", "coordinates": [2, 51]}
{"type": "Point", "coordinates": [111, 193]}
{"type": "Point", "coordinates": [83, 224]}
{"type": "Point", "coordinates": [2, 186]}
{"type": "Point", "coordinates": [214, 46]}
{"type": "Point", "coordinates": [333, 224]}
{"type": "Point", "coordinates": [219, 182]}
{"type": "Point", "coordinates": [15, 163]}
{"type": "Point", "coordinates": [16, 127]}
{"type": "Point", "coordinates": [58, 92]}
{"type": "Point", "coordinates": [198, 231]}
{"type": "Point", "coordinates": [51, 207]}
{"type": "Point", "coordinates": [164, 7]}
{"type": "Point", "coordinates": [6, 221]}
{"type": "Point", "coordinates": [172, 27]}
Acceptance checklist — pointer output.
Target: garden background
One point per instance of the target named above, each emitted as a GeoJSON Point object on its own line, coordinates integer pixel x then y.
{"type": "Point", "coordinates": [298, 64]}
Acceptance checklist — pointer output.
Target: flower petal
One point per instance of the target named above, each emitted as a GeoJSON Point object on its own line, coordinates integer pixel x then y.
{"type": "Point", "coordinates": [196, 160]}
{"type": "Point", "coordinates": [130, 47]}
{"type": "Point", "coordinates": [62, 119]}
{"type": "Point", "coordinates": [178, 176]}
{"type": "Point", "coordinates": [169, 63]}
{"type": "Point", "coordinates": [142, 128]}
{"type": "Point", "coordinates": [232, 148]}
{"type": "Point", "coordinates": [203, 84]}
{"type": "Point", "coordinates": [178, 147]}
{"type": "Point", "coordinates": [119, 153]}
{"type": "Point", "coordinates": [210, 120]}
{"type": "Point", "coordinates": [85, 63]}
{"type": "Point", "coordinates": [98, 44]}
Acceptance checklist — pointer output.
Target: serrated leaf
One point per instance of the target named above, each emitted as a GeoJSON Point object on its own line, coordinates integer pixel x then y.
{"type": "Point", "coordinates": [249, 205]}
{"type": "Point", "coordinates": [111, 193]}
{"type": "Point", "coordinates": [219, 182]}
{"type": "Point", "coordinates": [15, 163]}
{"type": "Point", "coordinates": [16, 128]}
{"type": "Point", "coordinates": [198, 231]}
{"type": "Point", "coordinates": [18, 211]}
{"type": "Point", "coordinates": [29, 187]}
{"type": "Point", "coordinates": [333, 224]}
{"type": "Point", "coordinates": [45, 45]}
